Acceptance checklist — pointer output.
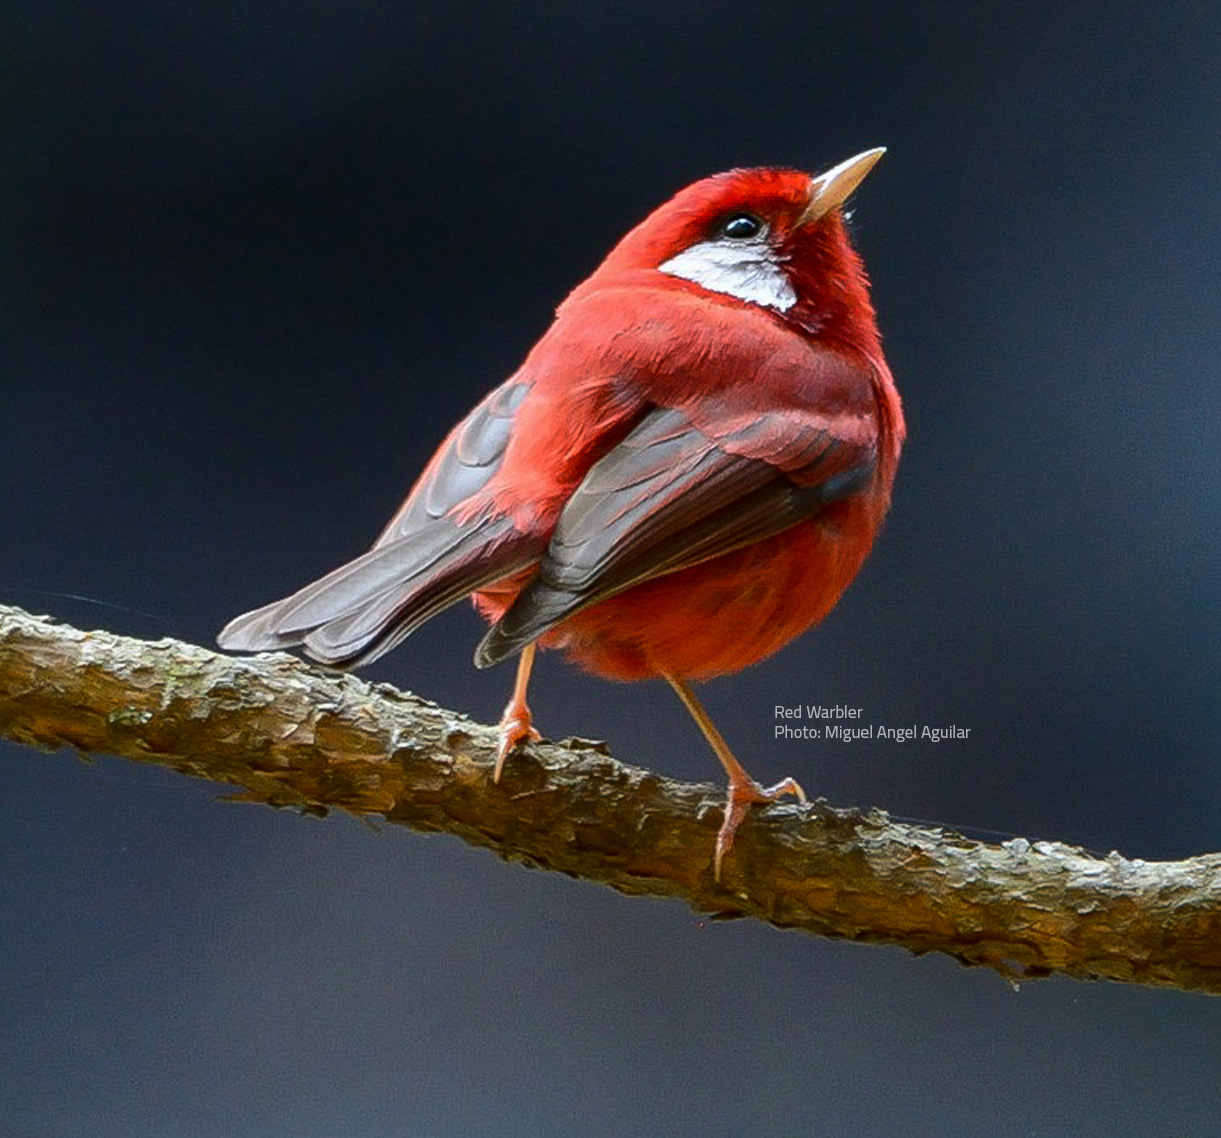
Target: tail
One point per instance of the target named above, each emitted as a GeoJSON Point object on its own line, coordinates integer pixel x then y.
{"type": "Point", "coordinates": [363, 609]}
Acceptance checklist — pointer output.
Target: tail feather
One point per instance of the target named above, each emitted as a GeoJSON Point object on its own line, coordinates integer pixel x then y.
{"type": "Point", "coordinates": [362, 609]}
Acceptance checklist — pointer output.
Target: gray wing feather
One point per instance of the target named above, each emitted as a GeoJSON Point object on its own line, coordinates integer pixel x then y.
{"type": "Point", "coordinates": [424, 561]}
{"type": "Point", "coordinates": [667, 498]}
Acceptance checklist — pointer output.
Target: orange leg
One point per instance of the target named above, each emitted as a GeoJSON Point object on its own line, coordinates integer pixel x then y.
{"type": "Point", "coordinates": [515, 724]}
{"type": "Point", "coordinates": [743, 790]}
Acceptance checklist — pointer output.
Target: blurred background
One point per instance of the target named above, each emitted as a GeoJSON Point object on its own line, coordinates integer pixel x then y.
{"type": "Point", "coordinates": [257, 258]}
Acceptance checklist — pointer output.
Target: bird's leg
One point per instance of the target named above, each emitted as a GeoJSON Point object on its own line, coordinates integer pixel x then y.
{"type": "Point", "coordinates": [516, 725]}
{"type": "Point", "coordinates": [743, 790]}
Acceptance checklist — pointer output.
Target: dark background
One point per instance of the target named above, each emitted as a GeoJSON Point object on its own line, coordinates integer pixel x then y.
{"type": "Point", "coordinates": [257, 258]}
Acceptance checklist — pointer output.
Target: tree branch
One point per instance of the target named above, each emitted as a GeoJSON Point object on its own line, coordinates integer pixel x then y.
{"type": "Point", "coordinates": [289, 735]}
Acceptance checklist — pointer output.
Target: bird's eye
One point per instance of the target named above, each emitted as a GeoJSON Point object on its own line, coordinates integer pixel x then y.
{"type": "Point", "coordinates": [741, 226]}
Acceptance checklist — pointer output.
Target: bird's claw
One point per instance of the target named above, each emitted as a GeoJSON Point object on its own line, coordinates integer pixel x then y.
{"type": "Point", "coordinates": [742, 796]}
{"type": "Point", "coordinates": [516, 728]}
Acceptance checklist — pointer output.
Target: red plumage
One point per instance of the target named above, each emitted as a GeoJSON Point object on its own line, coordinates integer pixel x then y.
{"type": "Point", "coordinates": [686, 472]}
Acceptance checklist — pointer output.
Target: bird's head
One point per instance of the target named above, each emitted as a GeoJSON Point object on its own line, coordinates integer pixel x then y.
{"type": "Point", "coordinates": [764, 236]}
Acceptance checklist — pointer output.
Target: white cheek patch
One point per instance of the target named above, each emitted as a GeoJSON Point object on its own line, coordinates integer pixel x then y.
{"type": "Point", "coordinates": [745, 269]}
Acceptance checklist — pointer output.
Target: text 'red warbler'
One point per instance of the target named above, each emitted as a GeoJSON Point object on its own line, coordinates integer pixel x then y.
{"type": "Point", "coordinates": [684, 475]}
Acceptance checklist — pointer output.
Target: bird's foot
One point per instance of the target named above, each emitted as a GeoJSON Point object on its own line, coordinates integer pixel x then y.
{"type": "Point", "coordinates": [743, 794]}
{"type": "Point", "coordinates": [516, 727]}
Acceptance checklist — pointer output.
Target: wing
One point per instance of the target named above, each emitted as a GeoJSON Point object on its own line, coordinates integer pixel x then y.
{"type": "Point", "coordinates": [673, 494]}
{"type": "Point", "coordinates": [431, 555]}
{"type": "Point", "coordinates": [465, 464]}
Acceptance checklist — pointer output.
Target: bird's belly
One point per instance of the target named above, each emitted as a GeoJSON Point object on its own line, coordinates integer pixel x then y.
{"type": "Point", "coordinates": [722, 615]}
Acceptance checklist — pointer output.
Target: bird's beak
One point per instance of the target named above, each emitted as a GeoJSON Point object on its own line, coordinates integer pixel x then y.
{"type": "Point", "coordinates": [833, 188]}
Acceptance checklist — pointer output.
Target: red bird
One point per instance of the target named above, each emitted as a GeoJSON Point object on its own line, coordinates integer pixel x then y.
{"type": "Point", "coordinates": [684, 475]}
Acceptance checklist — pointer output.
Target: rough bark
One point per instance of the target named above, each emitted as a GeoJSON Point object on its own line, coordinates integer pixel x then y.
{"type": "Point", "coordinates": [290, 735]}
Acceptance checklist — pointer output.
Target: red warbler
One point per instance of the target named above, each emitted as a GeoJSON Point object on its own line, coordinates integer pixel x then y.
{"type": "Point", "coordinates": [685, 473]}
